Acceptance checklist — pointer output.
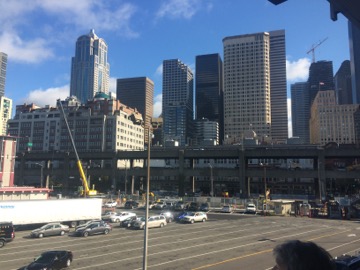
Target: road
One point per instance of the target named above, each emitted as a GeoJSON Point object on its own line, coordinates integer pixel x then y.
{"type": "Point", "coordinates": [225, 241]}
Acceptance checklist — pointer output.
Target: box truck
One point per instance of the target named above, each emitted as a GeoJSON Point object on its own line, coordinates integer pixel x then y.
{"type": "Point", "coordinates": [67, 211]}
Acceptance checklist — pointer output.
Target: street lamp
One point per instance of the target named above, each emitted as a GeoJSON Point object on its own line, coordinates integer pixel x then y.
{"type": "Point", "coordinates": [212, 180]}
{"type": "Point", "coordinates": [41, 173]}
{"type": "Point", "coordinates": [146, 229]}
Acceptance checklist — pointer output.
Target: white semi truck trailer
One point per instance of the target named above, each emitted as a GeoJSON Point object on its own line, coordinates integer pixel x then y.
{"type": "Point", "coordinates": [67, 211]}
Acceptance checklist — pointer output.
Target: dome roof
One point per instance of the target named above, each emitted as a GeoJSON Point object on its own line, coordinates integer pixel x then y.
{"type": "Point", "coordinates": [101, 95]}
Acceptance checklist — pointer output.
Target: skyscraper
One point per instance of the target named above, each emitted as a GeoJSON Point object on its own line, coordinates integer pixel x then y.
{"type": "Point", "coordinates": [3, 64]}
{"type": "Point", "coordinates": [321, 78]}
{"type": "Point", "coordinates": [178, 101]}
{"type": "Point", "coordinates": [278, 91]}
{"type": "Point", "coordinates": [354, 41]}
{"type": "Point", "coordinates": [300, 111]}
{"type": "Point", "coordinates": [90, 69]}
{"type": "Point", "coordinates": [209, 90]}
{"type": "Point", "coordinates": [247, 101]}
{"type": "Point", "coordinates": [137, 93]}
{"type": "Point", "coordinates": [342, 81]}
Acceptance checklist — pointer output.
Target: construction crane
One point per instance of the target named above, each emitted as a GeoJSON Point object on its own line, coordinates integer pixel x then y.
{"type": "Point", "coordinates": [313, 47]}
{"type": "Point", "coordinates": [87, 191]}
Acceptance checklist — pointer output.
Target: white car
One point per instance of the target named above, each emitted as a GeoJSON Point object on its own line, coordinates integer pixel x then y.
{"type": "Point", "coordinates": [110, 204]}
{"type": "Point", "coordinates": [120, 217]}
{"type": "Point", "coordinates": [192, 217]}
{"type": "Point", "coordinates": [250, 208]}
{"type": "Point", "coordinates": [227, 209]}
{"type": "Point", "coordinates": [153, 222]}
{"type": "Point", "coordinates": [107, 215]}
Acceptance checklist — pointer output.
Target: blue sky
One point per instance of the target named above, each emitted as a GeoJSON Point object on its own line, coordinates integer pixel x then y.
{"type": "Point", "coordinates": [40, 37]}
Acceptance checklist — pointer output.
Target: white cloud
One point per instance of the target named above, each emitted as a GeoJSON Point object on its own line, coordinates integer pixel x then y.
{"type": "Point", "coordinates": [42, 97]}
{"type": "Point", "coordinates": [157, 105]}
{"type": "Point", "coordinates": [66, 16]}
{"type": "Point", "coordinates": [297, 70]}
{"type": "Point", "coordinates": [112, 85]}
{"type": "Point", "coordinates": [31, 51]}
{"type": "Point", "coordinates": [159, 70]}
{"type": "Point", "coordinates": [180, 9]}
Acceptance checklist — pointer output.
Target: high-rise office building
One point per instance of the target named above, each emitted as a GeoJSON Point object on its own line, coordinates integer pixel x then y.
{"type": "Point", "coordinates": [5, 113]}
{"type": "Point", "coordinates": [138, 93]}
{"type": "Point", "coordinates": [354, 41]}
{"type": "Point", "coordinates": [178, 101]}
{"type": "Point", "coordinates": [90, 69]}
{"type": "Point", "coordinates": [278, 91]}
{"type": "Point", "coordinates": [321, 78]}
{"type": "Point", "coordinates": [300, 111]}
{"type": "Point", "coordinates": [247, 101]}
{"type": "Point", "coordinates": [3, 64]}
{"type": "Point", "coordinates": [342, 82]}
{"type": "Point", "coordinates": [209, 90]}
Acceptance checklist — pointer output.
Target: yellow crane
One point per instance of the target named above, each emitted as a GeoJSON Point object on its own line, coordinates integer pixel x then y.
{"type": "Point", "coordinates": [313, 47]}
{"type": "Point", "coordinates": [87, 190]}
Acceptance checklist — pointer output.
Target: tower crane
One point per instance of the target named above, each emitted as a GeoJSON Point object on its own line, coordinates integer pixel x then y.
{"type": "Point", "coordinates": [313, 47]}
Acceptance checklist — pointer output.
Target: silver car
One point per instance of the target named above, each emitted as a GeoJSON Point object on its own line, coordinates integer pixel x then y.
{"type": "Point", "coordinates": [153, 222]}
{"type": "Point", "coordinates": [50, 229]}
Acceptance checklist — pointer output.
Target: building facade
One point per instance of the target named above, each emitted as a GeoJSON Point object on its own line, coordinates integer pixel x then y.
{"type": "Point", "coordinates": [7, 160]}
{"type": "Point", "coordinates": [278, 94]}
{"type": "Point", "coordinates": [300, 112]}
{"type": "Point", "coordinates": [331, 122]}
{"type": "Point", "coordinates": [354, 42]}
{"type": "Point", "coordinates": [5, 113]}
{"type": "Point", "coordinates": [247, 101]}
{"type": "Point", "coordinates": [3, 65]}
{"type": "Point", "coordinates": [90, 70]}
{"type": "Point", "coordinates": [206, 132]}
{"type": "Point", "coordinates": [138, 93]}
{"type": "Point", "coordinates": [342, 81]}
{"type": "Point", "coordinates": [209, 90]}
{"type": "Point", "coordinates": [178, 101]}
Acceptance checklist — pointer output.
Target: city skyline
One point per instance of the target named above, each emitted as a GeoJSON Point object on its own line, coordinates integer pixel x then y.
{"type": "Point", "coordinates": [141, 36]}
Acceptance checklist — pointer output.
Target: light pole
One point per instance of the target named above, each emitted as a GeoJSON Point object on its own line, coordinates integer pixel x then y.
{"type": "Point", "coordinates": [146, 230]}
{"type": "Point", "coordinates": [212, 180]}
{"type": "Point", "coordinates": [41, 173]}
{"type": "Point", "coordinates": [265, 186]}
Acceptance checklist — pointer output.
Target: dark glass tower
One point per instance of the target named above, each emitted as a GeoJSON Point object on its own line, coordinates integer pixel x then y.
{"type": "Point", "coordinates": [209, 90]}
{"type": "Point", "coordinates": [300, 111]}
{"type": "Point", "coordinates": [342, 80]}
{"type": "Point", "coordinates": [321, 78]}
{"type": "Point", "coordinates": [354, 41]}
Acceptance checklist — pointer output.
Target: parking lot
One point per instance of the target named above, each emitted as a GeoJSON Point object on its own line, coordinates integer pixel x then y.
{"type": "Point", "coordinates": [225, 241]}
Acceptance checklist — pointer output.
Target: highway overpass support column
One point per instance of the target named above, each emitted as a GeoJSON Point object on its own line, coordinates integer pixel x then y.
{"type": "Point", "coordinates": [181, 176]}
{"type": "Point", "coordinates": [242, 190]}
{"type": "Point", "coordinates": [321, 175]}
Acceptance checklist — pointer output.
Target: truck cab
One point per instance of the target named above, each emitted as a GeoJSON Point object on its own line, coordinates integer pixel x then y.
{"type": "Point", "coordinates": [7, 233]}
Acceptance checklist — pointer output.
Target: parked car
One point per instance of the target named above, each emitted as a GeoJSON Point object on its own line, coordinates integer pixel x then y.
{"type": "Point", "coordinates": [88, 223]}
{"type": "Point", "coordinates": [227, 209]}
{"type": "Point", "coordinates": [128, 222]}
{"type": "Point", "coordinates": [131, 204]}
{"type": "Point", "coordinates": [7, 233]}
{"type": "Point", "coordinates": [120, 217]}
{"type": "Point", "coordinates": [153, 222]}
{"type": "Point", "coordinates": [192, 217]}
{"type": "Point", "coordinates": [92, 229]}
{"type": "Point", "coordinates": [250, 208]}
{"type": "Point", "coordinates": [110, 204]}
{"type": "Point", "coordinates": [168, 215]}
{"type": "Point", "coordinates": [169, 205]}
{"type": "Point", "coordinates": [56, 259]}
{"type": "Point", "coordinates": [160, 205]}
{"type": "Point", "coordinates": [50, 229]}
{"type": "Point", "coordinates": [204, 207]}
{"type": "Point", "coordinates": [180, 205]}
{"type": "Point", "coordinates": [107, 215]}
{"type": "Point", "coordinates": [193, 206]}
{"type": "Point", "coordinates": [347, 262]}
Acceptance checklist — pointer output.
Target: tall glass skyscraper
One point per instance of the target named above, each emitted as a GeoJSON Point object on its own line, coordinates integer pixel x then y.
{"type": "Point", "coordinates": [90, 69]}
{"type": "Point", "coordinates": [354, 41]}
{"type": "Point", "coordinates": [3, 64]}
{"type": "Point", "coordinates": [209, 90]}
{"type": "Point", "coordinates": [178, 101]}
{"type": "Point", "coordinates": [300, 111]}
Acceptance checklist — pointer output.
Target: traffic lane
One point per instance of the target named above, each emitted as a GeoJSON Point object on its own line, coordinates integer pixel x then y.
{"type": "Point", "coordinates": [335, 240]}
